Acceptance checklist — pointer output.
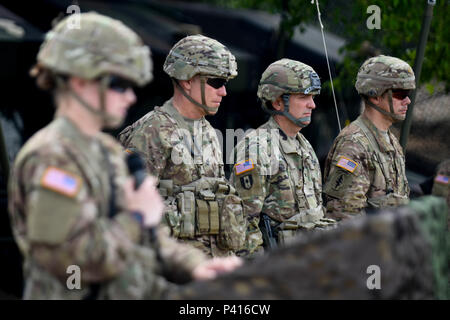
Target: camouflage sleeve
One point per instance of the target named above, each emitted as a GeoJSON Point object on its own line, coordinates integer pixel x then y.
{"type": "Point", "coordinates": [251, 187]}
{"type": "Point", "coordinates": [63, 226]}
{"type": "Point", "coordinates": [441, 184]}
{"type": "Point", "coordinates": [153, 142]}
{"type": "Point", "coordinates": [347, 181]}
{"type": "Point", "coordinates": [179, 259]}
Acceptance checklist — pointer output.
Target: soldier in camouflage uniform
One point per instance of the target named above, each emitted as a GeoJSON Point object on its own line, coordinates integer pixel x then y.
{"type": "Point", "coordinates": [366, 166]}
{"type": "Point", "coordinates": [71, 201]}
{"type": "Point", "coordinates": [182, 150]}
{"type": "Point", "coordinates": [441, 184]}
{"type": "Point", "coordinates": [277, 173]}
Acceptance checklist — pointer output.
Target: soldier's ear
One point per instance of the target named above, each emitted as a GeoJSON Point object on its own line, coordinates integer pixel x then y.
{"type": "Point", "coordinates": [376, 100]}
{"type": "Point", "coordinates": [76, 83]}
{"type": "Point", "coordinates": [185, 84]}
{"type": "Point", "coordinates": [278, 104]}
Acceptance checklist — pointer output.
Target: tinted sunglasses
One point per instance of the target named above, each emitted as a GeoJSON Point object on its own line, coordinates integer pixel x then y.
{"type": "Point", "coordinates": [119, 84]}
{"type": "Point", "coordinates": [216, 83]}
{"type": "Point", "coordinates": [400, 94]}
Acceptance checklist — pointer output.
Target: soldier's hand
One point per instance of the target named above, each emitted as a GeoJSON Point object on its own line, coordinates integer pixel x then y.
{"type": "Point", "coordinates": [146, 200]}
{"type": "Point", "coordinates": [213, 267]}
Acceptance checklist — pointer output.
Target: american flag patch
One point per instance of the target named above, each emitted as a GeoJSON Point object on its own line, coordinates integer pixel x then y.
{"type": "Point", "coordinates": [441, 179]}
{"type": "Point", "coordinates": [61, 181]}
{"type": "Point", "coordinates": [244, 166]}
{"type": "Point", "coordinates": [347, 164]}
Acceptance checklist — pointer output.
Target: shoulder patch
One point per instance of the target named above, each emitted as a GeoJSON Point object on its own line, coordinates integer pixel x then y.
{"type": "Point", "coordinates": [244, 166]}
{"type": "Point", "coordinates": [441, 179]}
{"type": "Point", "coordinates": [337, 184]}
{"type": "Point", "coordinates": [61, 181]}
{"type": "Point", "coordinates": [247, 182]}
{"type": "Point", "coordinates": [347, 164]}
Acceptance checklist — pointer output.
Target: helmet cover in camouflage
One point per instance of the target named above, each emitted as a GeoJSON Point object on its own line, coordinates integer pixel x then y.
{"type": "Point", "coordinates": [200, 55]}
{"type": "Point", "coordinates": [287, 76]}
{"type": "Point", "coordinates": [99, 46]}
{"type": "Point", "coordinates": [381, 73]}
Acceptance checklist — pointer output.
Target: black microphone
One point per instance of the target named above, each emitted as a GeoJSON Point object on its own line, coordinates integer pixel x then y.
{"type": "Point", "coordinates": [136, 167]}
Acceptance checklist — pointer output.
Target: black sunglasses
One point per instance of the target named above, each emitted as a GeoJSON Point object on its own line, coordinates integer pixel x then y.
{"type": "Point", "coordinates": [216, 83]}
{"type": "Point", "coordinates": [400, 94]}
{"type": "Point", "coordinates": [119, 84]}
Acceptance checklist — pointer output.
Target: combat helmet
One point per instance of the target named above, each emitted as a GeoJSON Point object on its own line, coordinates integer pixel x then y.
{"type": "Point", "coordinates": [199, 55]}
{"type": "Point", "coordinates": [384, 73]}
{"type": "Point", "coordinates": [284, 77]}
{"type": "Point", "coordinates": [97, 48]}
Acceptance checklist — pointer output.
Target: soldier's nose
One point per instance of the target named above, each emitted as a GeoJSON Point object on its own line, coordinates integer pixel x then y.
{"type": "Point", "coordinates": [408, 101]}
{"type": "Point", "coordinates": [222, 91]}
{"type": "Point", "coordinates": [130, 95]}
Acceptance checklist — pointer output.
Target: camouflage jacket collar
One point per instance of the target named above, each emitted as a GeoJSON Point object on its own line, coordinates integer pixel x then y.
{"type": "Point", "coordinates": [384, 145]}
{"type": "Point", "coordinates": [69, 130]}
{"type": "Point", "coordinates": [288, 145]}
{"type": "Point", "coordinates": [170, 108]}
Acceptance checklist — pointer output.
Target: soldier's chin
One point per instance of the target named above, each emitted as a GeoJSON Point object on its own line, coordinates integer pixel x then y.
{"type": "Point", "coordinates": [304, 124]}
{"type": "Point", "coordinates": [213, 112]}
{"type": "Point", "coordinates": [399, 117]}
{"type": "Point", "coordinates": [113, 122]}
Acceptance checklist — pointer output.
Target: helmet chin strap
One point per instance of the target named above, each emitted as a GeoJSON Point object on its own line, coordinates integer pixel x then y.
{"type": "Point", "coordinates": [202, 105]}
{"type": "Point", "coordinates": [297, 121]}
{"type": "Point", "coordinates": [391, 114]}
{"type": "Point", "coordinates": [106, 119]}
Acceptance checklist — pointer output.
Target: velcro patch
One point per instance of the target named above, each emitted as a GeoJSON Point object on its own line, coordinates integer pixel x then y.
{"type": "Point", "coordinates": [347, 164]}
{"type": "Point", "coordinates": [247, 182]}
{"type": "Point", "coordinates": [61, 181]}
{"type": "Point", "coordinates": [338, 182]}
{"type": "Point", "coordinates": [441, 179]}
{"type": "Point", "coordinates": [244, 166]}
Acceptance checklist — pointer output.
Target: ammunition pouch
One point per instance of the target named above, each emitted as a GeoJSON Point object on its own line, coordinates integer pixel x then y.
{"type": "Point", "coordinates": [208, 206]}
{"type": "Point", "coordinates": [186, 208]}
{"type": "Point", "coordinates": [233, 226]}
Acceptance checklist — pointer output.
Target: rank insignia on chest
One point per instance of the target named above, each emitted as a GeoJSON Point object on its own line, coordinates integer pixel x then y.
{"type": "Point", "coordinates": [244, 166]}
{"type": "Point", "coordinates": [441, 179]}
{"type": "Point", "coordinates": [247, 182]}
{"type": "Point", "coordinates": [61, 181]}
{"type": "Point", "coordinates": [347, 164]}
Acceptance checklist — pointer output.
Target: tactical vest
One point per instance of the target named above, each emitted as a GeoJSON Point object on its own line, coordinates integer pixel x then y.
{"type": "Point", "coordinates": [393, 196]}
{"type": "Point", "coordinates": [304, 178]}
{"type": "Point", "coordinates": [207, 206]}
{"type": "Point", "coordinates": [305, 185]}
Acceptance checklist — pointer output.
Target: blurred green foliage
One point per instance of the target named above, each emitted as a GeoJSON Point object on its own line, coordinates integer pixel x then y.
{"type": "Point", "coordinates": [401, 22]}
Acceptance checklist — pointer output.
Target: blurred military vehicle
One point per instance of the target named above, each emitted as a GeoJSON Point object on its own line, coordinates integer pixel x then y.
{"type": "Point", "coordinates": [407, 248]}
